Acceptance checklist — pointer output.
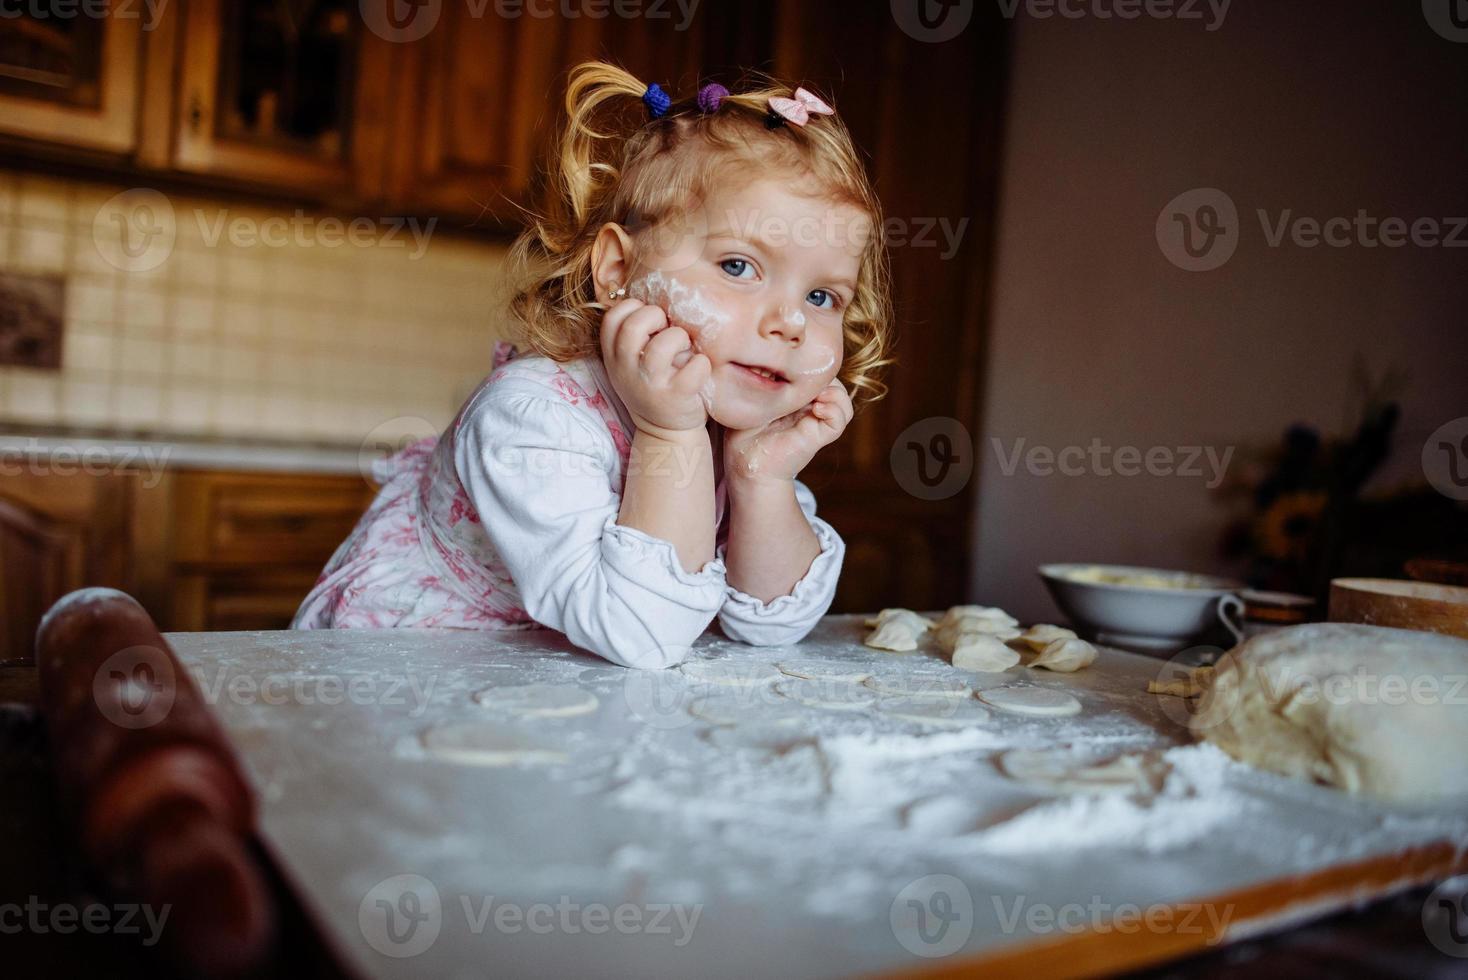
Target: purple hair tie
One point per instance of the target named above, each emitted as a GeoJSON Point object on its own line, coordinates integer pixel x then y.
{"type": "Point", "coordinates": [656, 100]}
{"type": "Point", "coordinates": [710, 96]}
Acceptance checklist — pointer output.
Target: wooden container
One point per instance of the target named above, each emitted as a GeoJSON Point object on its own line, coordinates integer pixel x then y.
{"type": "Point", "coordinates": [1399, 603]}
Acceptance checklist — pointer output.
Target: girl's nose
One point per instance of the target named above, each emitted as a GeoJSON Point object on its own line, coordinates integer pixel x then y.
{"type": "Point", "coordinates": [785, 323]}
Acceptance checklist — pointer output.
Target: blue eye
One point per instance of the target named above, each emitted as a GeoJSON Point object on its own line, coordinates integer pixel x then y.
{"type": "Point", "coordinates": [743, 264]}
{"type": "Point", "coordinates": [827, 294]}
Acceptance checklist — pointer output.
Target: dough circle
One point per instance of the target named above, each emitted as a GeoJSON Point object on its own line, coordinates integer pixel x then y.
{"type": "Point", "coordinates": [733, 673]}
{"type": "Point", "coordinates": [538, 700]}
{"type": "Point", "coordinates": [1037, 702]}
{"type": "Point", "coordinates": [478, 743]}
{"type": "Point", "coordinates": [723, 709]}
{"type": "Point", "coordinates": [1068, 770]}
{"type": "Point", "coordinates": [919, 686]}
{"type": "Point", "coordinates": [1367, 709]}
{"type": "Point", "coordinates": [836, 695]}
{"type": "Point", "coordinates": [940, 712]}
{"type": "Point", "coordinates": [824, 670]}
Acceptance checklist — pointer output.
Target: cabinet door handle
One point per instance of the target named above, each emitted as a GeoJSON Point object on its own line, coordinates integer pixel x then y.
{"type": "Point", "coordinates": [196, 114]}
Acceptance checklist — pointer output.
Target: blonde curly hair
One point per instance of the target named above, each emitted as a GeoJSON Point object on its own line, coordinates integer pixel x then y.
{"type": "Point", "coordinates": [615, 165]}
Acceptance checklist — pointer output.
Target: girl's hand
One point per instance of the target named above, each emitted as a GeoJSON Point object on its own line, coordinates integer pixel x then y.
{"type": "Point", "coordinates": [654, 368]}
{"type": "Point", "coordinates": [781, 449]}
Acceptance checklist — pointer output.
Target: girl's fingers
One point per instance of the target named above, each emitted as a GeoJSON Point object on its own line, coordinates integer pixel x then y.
{"type": "Point", "coordinates": [691, 377]}
{"type": "Point", "coordinates": [633, 336]}
{"type": "Point", "coordinates": [611, 325]}
{"type": "Point", "coordinates": [657, 356]}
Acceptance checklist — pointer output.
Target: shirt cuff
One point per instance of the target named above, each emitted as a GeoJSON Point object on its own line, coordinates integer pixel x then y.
{"type": "Point", "coordinates": [813, 593]}
{"type": "Point", "coordinates": [653, 564]}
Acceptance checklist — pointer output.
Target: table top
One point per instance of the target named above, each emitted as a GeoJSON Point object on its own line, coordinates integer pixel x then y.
{"type": "Point", "coordinates": [849, 841]}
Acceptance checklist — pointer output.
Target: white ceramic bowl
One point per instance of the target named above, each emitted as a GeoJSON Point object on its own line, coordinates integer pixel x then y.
{"type": "Point", "coordinates": [1169, 610]}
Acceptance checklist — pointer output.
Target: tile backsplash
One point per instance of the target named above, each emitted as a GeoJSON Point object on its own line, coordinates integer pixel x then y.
{"type": "Point", "coordinates": [188, 316]}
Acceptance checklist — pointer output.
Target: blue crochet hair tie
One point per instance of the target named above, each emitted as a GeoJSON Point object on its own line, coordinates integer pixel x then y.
{"type": "Point", "coordinates": [656, 100]}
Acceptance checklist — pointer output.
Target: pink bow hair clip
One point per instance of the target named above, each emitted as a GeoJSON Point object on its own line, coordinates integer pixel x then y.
{"type": "Point", "coordinates": [798, 110]}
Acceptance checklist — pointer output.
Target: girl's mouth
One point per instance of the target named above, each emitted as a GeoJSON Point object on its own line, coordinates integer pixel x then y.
{"type": "Point", "coordinates": [762, 376]}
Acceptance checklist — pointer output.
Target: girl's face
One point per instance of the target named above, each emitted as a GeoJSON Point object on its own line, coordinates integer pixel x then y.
{"type": "Point", "coordinates": [760, 277]}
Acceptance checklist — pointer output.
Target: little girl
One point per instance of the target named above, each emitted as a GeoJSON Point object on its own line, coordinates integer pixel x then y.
{"type": "Point", "coordinates": [710, 286]}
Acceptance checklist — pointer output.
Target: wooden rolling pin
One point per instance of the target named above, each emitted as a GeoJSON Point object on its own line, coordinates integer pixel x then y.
{"type": "Point", "coordinates": [155, 796]}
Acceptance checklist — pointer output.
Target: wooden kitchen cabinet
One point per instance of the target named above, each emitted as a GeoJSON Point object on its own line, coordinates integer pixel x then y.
{"type": "Point", "coordinates": [71, 81]}
{"type": "Point", "coordinates": [199, 549]}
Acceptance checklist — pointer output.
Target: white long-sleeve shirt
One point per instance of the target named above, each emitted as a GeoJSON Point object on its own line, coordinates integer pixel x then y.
{"type": "Point", "coordinates": [510, 520]}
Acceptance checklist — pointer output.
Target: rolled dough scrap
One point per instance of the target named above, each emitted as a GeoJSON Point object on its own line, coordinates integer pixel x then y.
{"type": "Point", "coordinates": [825, 670]}
{"type": "Point", "coordinates": [897, 629]}
{"type": "Point", "coordinates": [538, 700]}
{"type": "Point", "coordinates": [1066, 654]}
{"type": "Point", "coordinates": [838, 695]}
{"type": "Point", "coordinates": [721, 709]}
{"type": "Point", "coordinates": [1368, 709]}
{"type": "Point", "coordinates": [1041, 635]}
{"type": "Point", "coordinates": [1063, 770]}
{"type": "Point", "coordinates": [1191, 686]}
{"type": "Point", "coordinates": [1035, 701]}
{"type": "Point", "coordinates": [982, 652]}
{"type": "Point", "coordinates": [734, 673]}
{"type": "Point", "coordinates": [919, 686]}
{"type": "Point", "coordinates": [942, 712]}
{"type": "Point", "coordinates": [482, 744]}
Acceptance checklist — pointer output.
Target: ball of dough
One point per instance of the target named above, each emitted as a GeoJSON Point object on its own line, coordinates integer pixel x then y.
{"type": "Point", "coordinates": [1367, 709]}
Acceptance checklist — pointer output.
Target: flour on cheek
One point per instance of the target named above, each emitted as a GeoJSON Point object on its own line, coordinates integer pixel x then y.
{"type": "Point", "coordinates": [689, 308]}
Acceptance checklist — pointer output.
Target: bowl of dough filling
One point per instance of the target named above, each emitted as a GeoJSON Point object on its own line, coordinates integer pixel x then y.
{"type": "Point", "coordinates": [1148, 608]}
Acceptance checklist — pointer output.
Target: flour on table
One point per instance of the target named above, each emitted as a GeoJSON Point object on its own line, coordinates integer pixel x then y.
{"type": "Point", "coordinates": [485, 744]}
{"type": "Point", "coordinates": [1035, 701]}
{"type": "Point", "coordinates": [538, 700]}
